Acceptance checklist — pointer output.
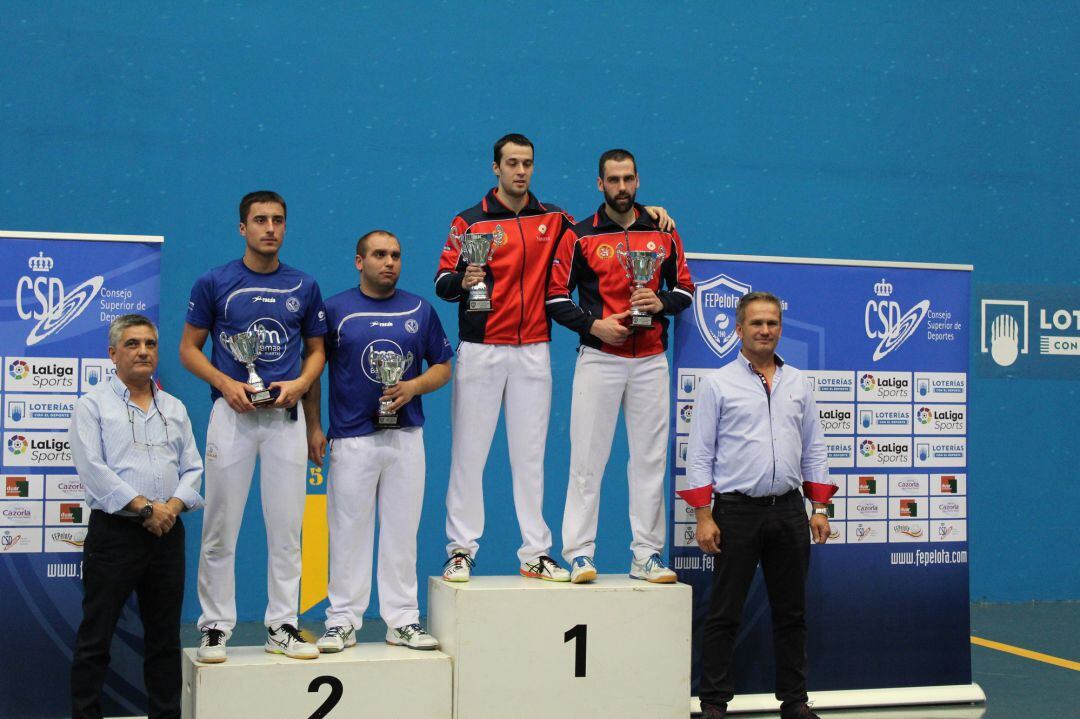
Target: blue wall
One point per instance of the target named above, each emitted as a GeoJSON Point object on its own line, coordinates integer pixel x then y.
{"type": "Point", "coordinates": [889, 130]}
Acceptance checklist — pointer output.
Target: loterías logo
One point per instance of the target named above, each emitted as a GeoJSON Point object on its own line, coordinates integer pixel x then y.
{"type": "Point", "coordinates": [884, 320]}
{"type": "Point", "coordinates": [41, 297]}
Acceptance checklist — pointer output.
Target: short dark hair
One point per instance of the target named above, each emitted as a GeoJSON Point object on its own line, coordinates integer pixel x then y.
{"type": "Point", "coordinates": [617, 154]}
{"type": "Point", "coordinates": [361, 244]}
{"type": "Point", "coordinates": [260, 196]}
{"type": "Point", "coordinates": [513, 138]}
{"type": "Point", "coordinates": [740, 310]}
{"type": "Point", "coordinates": [121, 323]}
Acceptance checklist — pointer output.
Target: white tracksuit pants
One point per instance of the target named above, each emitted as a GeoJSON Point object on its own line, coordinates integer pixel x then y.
{"type": "Point", "coordinates": [603, 383]}
{"type": "Point", "coordinates": [233, 441]}
{"type": "Point", "coordinates": [517, 377]}
{"type": "Point", "coordinates": [383, 470]}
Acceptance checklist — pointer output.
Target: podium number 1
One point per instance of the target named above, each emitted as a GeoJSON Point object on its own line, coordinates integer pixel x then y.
{"type": "Point", "coordinates": [332, 700]}
{"type": "Point", "coordinates": [580, 635]}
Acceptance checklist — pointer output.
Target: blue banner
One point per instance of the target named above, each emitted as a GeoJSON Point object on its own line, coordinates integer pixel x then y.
{"type": "Point", "coordinates": [59, 294]}
{"type": "Point", "coordinates": [885, 347]}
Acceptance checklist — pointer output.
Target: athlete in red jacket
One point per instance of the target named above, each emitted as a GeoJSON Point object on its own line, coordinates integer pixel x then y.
{"type": "Point", "coordinates": [618, 365]}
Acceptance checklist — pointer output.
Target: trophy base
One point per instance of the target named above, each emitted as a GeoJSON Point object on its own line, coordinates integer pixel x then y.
{"type": "Point", "coordinates": [642, 321]}
{"type": "Point", "coordinates": [263, 397]}
{"type": "Point", "coordinates": [479, 305]}
{"type": "Point", "coordinates": [387, 421]}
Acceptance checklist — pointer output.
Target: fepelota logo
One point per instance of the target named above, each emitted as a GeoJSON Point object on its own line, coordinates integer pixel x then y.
{"type": "Point", "coordinates": [18, 369]}
{"type": "Point", "coordinates": [867, 382]}
{"type": "Point", "coordinates": [924, 415]}
{"type": "Point", "coordinates": [17, 444]}
{"type": "Point", "coordinates": [867, 448]}
{"type": "Point", "coordinates": [715, 301]}
{"type": "Point", "coordinates": [884, 320]}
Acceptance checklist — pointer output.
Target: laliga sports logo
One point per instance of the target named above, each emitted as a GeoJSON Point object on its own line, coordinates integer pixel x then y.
{"type": "Point", "coordinates": [884, 320]}
{"type": "Point", "coordinates": [924, 415]}
{"type": "Point", "coordinates": [715, 301]}
{"type": "Point", "coordinates": [17, 444]}
{"type": "Point", "coordinates": [18, 369]}
{"type": "Point", "coordinates": [867, 448]}
{"type": "Point", "coordinates": [58, 307]}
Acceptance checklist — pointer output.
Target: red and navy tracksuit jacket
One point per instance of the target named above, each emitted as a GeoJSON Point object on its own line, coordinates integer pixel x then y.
{"type": "Point", "coordinates": [586, 259]}
{"type": "Point", "coordinates": [516, 276]}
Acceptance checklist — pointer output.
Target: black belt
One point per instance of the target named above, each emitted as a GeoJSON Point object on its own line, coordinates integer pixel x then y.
{"type": "Point", "coordinates": [117, 518]}
{"type": "Point", "coordinates": [756, 501]}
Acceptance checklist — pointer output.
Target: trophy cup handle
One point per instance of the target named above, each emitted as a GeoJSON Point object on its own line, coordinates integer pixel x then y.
{"type": "Point", "coordinates": [624, 259]}
{"type": "Point", "coordinates": [496, 238]}
{"type": "Point", "coordinates": [226, 341]}
{"type": "Point", "coordinates": [407, 363]}
{"type": "Point", "coordinates": [660, 255]}
{"type": "Point", "coordinates": [455, 237]}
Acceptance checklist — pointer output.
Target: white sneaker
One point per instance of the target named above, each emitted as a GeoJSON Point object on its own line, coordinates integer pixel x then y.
{"type": "Point", "coordinates": [285, 639]}
{"type": "Point", "coordinates": [211, 646]}
{"type": "Point", "coordinates": [582, 570]}
{"type": "Point", "coordinates": [336, 639]}
{"type": "Point", "coordinates": [544, 567]}
{"type": "Point", "coordinates": [652, 570]}
{"type": "Point", "coordinates": [412, 636]}
{"type": "Point", "coordinates": [458, 567]}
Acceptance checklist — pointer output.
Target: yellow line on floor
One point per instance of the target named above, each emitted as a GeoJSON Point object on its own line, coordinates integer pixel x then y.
{"type": "Point", "coordinates": [1027, 653]}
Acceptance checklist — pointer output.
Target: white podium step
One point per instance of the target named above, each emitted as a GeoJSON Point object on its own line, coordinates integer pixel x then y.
{"type": "Point", "coordinates": [367, 680]}
{"type": "Point", "coordinates": [531, 649]}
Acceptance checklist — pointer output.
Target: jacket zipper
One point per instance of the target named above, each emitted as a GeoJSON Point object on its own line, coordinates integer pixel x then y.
{"type": "Point", "coordinates": [521, 276]}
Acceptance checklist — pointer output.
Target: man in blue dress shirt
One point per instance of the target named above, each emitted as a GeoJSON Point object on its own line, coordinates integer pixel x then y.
{"type": "Point", "coordinates": [372, 467]}
{"type": "Point", "coordinates": [755, 440]}
{"type": "Point", "coordinates": [136, 456]}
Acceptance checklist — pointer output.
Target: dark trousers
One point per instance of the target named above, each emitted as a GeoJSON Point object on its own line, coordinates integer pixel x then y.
{"type": "Point", "coordinates": [777, 536]}
{"type": "Point", "coordinates": [121, 557]}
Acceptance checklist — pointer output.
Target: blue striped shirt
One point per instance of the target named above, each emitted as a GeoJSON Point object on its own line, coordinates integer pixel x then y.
{"type": "Point", "coordinates": [120, 451]}
{"type": "Point", "coordinates": [744, 439]}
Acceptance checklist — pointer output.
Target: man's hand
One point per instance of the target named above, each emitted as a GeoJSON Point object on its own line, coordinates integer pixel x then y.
{"type": "Point", "coordinates": [316, 445]}
{"type": "Point", "coordinates": [292, 391]}
{"type": "Point", "coordinates": [611, 330]}
{"type": "Point", "coordinates": [161, 521]}
{"type": "Point", "coordinates": [400, 393]}
{"type": "Point", "coordinates": [474, 275]}
{"type": "Point", "coordinates": [819, 528]}
{"type": "Point", "coordinates": [645, 299]}
{"type": "Point", "coordinates": [663, 220]}
{"type": "Point", "coordinates": [236, 394]}
{"type": "Point", "coordinates": [708, 534]}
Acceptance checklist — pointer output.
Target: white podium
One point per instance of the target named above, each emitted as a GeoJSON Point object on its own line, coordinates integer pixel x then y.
{"type": "Point", "coordinates": [367, 680]}
{"type": "Point", "coordinates": [531, 649]}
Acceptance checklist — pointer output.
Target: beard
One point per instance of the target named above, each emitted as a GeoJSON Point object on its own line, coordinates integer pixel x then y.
{"type": "Point", "coordinates": [620, 203]}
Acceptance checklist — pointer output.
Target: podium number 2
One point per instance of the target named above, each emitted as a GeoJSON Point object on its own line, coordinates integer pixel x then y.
{"type": "Point", "coordinates": [331, 701]}
{"type": "Point", "coordinates": [580, 635]}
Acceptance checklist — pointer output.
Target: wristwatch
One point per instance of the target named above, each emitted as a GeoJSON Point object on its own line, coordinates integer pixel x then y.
{"type": "Point", "coordinates": [821, 510]}
{"type": "Point", "coordinates": [147, 511]}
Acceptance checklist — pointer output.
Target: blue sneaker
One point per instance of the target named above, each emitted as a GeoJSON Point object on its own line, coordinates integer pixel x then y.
{"type": "Point", "coordinates": [652, 570]}
{"type": "Point", "coordinates": [582, 570]}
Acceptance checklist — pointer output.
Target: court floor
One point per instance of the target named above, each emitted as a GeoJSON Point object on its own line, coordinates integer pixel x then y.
{"type": "Point", "coordinates": [1026, 658]}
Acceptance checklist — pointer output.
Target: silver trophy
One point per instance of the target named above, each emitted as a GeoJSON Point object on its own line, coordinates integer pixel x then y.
{"type": "Point", "coordinates": [477, 249]}
{"type": "Point", "coordinates": [246, 348]}
{"type": "Point", "coordinates": [640, 266]}
{"type": "Point", "coordinates": [389, 366]}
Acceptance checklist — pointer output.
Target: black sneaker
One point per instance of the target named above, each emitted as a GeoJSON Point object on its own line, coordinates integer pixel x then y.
{"type": "Point", "coordinates": [713, 711]}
